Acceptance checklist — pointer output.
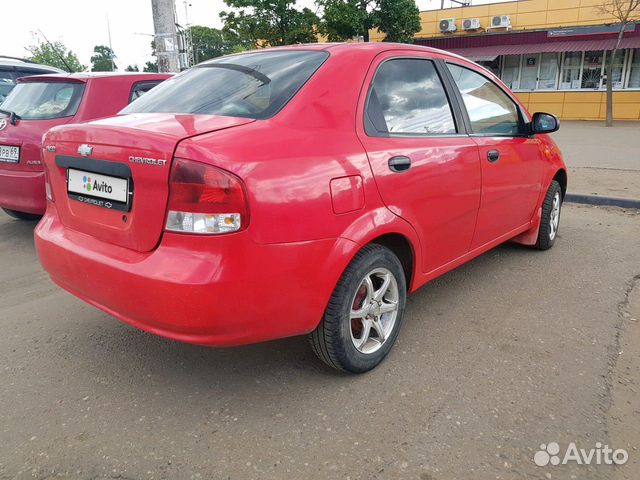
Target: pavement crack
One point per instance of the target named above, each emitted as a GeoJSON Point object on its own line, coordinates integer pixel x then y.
{"type": "Point", "coordinates": [614, 349]}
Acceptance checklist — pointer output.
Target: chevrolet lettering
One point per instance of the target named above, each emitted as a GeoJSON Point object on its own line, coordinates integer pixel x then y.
{"type": "Point", "coordinates": [148, 161]}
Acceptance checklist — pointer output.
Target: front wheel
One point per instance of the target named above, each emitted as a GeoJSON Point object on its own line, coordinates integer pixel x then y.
{"type": "Point", "coordinates": [364, 315]}
{"type": "Point", "coordinates": [22, 215]}
{"type": "Point", "coordinates": [550, 218]}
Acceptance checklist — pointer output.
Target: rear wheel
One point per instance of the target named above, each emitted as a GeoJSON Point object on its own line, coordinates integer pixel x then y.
{"type": "Point", "coordinates": [364, 315]}
{"type": "Point", "coordinates": [22, 215]}
{"type": "Point", "coordinates": [550, 219]}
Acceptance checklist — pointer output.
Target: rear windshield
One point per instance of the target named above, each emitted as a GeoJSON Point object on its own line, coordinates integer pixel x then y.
{"type": "Point", "coordinates": [44, 100]}
{"type": "Point", "coordinates": [251, 85]}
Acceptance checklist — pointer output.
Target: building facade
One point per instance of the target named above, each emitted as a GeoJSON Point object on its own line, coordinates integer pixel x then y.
{"type": "Point", "coordinates": [551, 53]}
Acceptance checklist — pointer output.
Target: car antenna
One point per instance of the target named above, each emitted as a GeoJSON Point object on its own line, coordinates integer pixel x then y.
{"type": "Point", "coordinates": [56, 50]}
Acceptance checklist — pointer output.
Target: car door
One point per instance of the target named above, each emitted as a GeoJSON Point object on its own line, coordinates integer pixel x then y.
{"type": "Point", "coordinates": [511, 159]}
{"type": "Point", "coordinates": [426, 167]}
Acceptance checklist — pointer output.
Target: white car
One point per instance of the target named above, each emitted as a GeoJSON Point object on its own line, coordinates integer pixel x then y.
{"type": "Point", "coordinates": [13, 68]}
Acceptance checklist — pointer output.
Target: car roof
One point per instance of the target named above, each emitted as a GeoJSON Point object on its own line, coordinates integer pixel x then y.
{"type": "Point", "coordinates": [83, 77]}
{"type": "Point", "coordinates": [371, 48]}
{"type": "Point", "coordinates": [26, 65]}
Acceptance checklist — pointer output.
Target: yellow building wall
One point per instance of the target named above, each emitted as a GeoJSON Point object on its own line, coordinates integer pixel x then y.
{"type": "Point", "coordinates": [525, 15]}
{"type": "Point", "coordinates": [583, 105]}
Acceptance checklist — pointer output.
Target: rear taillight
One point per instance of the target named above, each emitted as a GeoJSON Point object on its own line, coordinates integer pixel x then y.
{"type": "Point", "coordinates": [205, 200]}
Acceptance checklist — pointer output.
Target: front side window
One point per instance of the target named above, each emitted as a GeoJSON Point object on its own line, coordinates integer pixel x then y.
{"type": "Point", "coordinates": [491, 110]}
{"type": "Point", "coordinates": [407, 97]}
{"type": "Point", "coordinates": [250, 85]}
{"type": "Point", "coordinates": [44, 100]}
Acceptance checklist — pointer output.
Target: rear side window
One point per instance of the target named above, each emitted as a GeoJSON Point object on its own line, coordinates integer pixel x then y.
{"type": "Point", "coordinates": [491, 110]}
{"type": "Point", "coordinates": [408, 97]}
{"type": "Point", "coordinates": [251, 85]}
{"type": "Point", "coordinates": [44, 100]}
{"type": "Point", "coordinates": [7, 82]}
{"type": "Point", "coordinates": [141, 88]}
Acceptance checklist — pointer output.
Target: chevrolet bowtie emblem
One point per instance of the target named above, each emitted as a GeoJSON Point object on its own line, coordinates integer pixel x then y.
{"type": "Point", "coordinates": [85, 150]}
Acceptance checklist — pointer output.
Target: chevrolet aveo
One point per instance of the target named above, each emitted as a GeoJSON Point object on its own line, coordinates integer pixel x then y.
{"type": "Point", "coordinates": [296, 190]}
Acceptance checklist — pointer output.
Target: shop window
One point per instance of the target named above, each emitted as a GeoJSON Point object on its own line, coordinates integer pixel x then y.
{"type": "Point", "coordinates": [549, 68]}
{"type": "Point", "coordinates": [511, 71]}
{"type": "Point", "coordinates": [529, 74]}
{"type": "Point", "coordinates": [634, 76]}
{"type": "Point", "coordinates": [592, 71]}
{"type": "Point", "coordinates": [571, 70]}
{"type": "Point", "coordinates": [618, 68]}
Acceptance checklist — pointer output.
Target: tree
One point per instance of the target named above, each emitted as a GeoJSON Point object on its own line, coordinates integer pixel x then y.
{"type": "Point", "coordinates": [151, 67]}
{"type": "Point", "coordinates": [102, 59]}
{"type": "Point", "coordinates": [212, 42]}
{"type": "Point", "coordinates": [132, 68]}
{"type": "Point", "coordinates": [399, 20]}
{"type": "Point", "coordinates": [258, 23]}
{"type": "Point", "coordinates": [343, 20]}
{"type": "Point", "coordinates": [625, 12]}
{"type": "Point", "coordinates": [57, 55]}
{"type": "Point", "coordinates": [346, 19]}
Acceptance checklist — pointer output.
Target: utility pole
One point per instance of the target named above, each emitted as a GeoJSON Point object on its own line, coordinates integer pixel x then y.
{"type": "Point", "coordinates": [166, 41]}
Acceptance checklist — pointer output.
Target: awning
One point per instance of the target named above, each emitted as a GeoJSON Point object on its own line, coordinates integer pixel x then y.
{"type": "Point", "coordinates": [489, 53]}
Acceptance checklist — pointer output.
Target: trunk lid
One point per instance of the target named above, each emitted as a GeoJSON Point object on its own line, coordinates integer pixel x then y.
{"type": "Point", "coordinates": [128, 152]}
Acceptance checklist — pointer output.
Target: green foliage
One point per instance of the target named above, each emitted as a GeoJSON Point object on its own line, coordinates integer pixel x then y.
{"type": "Point", "coordinates": [132, 68]}
{"type": "Point", "coordinates": [399, 20]}
{"type": "Point", "coordinates": [255, 23]}
{"type": "Point", "coordinates": [212, 42]}
{"type": "Point", "coordinates": [102, 59]}
{"type": "Point", "coordinates": [151, 67]}
{"type": "Point", "coordinates": [343, 20]}
{"type": "Point", "coordinates": [57, 55]}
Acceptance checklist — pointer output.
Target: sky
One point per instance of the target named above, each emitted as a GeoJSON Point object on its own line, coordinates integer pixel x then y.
{"type": "Point", "coordinates": [82, 24]}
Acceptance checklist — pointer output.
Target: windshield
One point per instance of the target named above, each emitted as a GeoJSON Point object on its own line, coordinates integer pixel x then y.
{"type": "Point", "coordinates": [251, 85]}
{"type": "Point", "coordinates": [44, 100]}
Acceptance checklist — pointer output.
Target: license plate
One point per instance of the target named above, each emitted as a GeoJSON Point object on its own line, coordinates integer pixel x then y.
{"type": "Point", "coordinates": [89, 184]}
{"type": "Point", "coordinates": [9, 154]}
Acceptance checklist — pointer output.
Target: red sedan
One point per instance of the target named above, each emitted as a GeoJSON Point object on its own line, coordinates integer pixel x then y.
{"type": "Point", "coordinates": [296, 190]}
{"type": "Point", "coordinates": [40, 102]}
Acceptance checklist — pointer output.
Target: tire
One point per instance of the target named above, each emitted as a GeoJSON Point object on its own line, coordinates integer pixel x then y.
{"type": "Point", "coordinates": [22, 215]}
{"type": "Point", "coordinates": [550, 219]}
{"type": "Point", "coordinates": [360, 343]}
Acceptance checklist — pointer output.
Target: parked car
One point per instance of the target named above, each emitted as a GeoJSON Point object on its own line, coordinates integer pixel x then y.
{"type": "Point", "coordinates": [41, 102]}
{"type": "Point", "coordinates": [11, 69]}
{"type": "Point", "coordinates": [296, 190]}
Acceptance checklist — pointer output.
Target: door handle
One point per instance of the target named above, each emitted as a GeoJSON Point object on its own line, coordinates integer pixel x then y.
{"type": "Point", "coordinates": [493, 155]}
{"type": "Point", "coordinates": [399, 164]}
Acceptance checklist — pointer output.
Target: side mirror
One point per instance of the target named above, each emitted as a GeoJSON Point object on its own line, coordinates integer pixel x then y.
{"type": "Point", "coordinates": [544, 123]}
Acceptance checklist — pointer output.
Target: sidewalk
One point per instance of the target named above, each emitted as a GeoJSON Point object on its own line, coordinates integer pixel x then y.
{"type": "Point", "coordinates": [602, 161]}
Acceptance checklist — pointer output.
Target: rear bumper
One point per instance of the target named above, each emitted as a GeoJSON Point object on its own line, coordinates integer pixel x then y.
{"type": "Point", "coordinates": [223, 290]}
{"type": "Point", "coordinates": [23, 191]}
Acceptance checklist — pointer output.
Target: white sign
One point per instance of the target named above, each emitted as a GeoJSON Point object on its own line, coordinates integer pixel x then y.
{"type": "Point", "coordinates": [96, 185]}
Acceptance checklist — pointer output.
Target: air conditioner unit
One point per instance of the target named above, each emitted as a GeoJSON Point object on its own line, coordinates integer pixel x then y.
{"type": "Point", "coordinates": [448, 25]}
{"type": "Point", "coordinates": [471, 24]}
{"type": "Point", "coordinates": [501, 21]}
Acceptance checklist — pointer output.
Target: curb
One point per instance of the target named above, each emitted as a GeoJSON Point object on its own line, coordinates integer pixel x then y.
{"type": "Point", "coordinates": [602, 201]}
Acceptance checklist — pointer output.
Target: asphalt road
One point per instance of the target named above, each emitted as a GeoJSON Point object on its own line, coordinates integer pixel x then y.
{"type": "Point", "coordinates": [515, 349]}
